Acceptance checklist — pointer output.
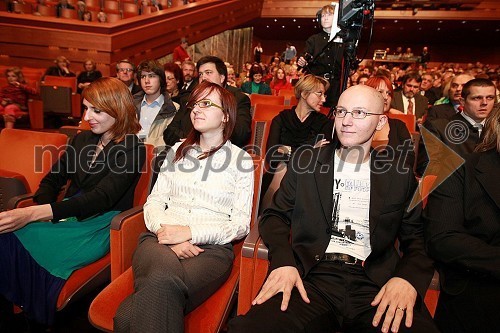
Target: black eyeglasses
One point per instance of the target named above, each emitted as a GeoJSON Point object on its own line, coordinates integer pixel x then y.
{"type": "Point", "coordinates": [355, 113]}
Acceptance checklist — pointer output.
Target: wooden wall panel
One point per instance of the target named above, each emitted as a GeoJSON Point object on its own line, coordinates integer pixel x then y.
{"type": "Point", "coordinates": [28, 40]}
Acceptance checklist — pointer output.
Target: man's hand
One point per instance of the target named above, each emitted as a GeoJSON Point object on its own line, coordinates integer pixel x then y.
{"type": "Point", "coordinates": [282, 279]}
{"type": "Point", "coordinates": [186, 250]}
{"type": "Point", "coordinates": [302, 62]}
{"type": "Point", "coordinates": [173, 234]}
{"type": "Point", "coordinates": [395, 298]}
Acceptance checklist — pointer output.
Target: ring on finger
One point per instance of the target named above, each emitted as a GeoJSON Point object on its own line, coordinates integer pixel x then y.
{"type": "Point", "coordinates": [400, 308]}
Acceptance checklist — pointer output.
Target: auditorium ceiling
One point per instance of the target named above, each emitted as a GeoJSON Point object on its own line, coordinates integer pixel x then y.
{"type": "Point", "coordinates": [403, 21]}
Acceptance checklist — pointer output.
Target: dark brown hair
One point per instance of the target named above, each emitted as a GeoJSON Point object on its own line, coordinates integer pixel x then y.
{"type": "Point", "coordinates": [228, 104]}
{"type": "Point", "coordinates": [112, 96]}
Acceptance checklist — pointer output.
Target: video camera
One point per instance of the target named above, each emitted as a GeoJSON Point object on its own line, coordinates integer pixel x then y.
{"type": "Point", "coordinates": [351, 12]}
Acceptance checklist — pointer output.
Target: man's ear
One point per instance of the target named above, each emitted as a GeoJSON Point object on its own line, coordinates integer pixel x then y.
{"type": "Point", "coordinates": [381, 122]}
{"type": "Point", "coordinates": [223, 78]}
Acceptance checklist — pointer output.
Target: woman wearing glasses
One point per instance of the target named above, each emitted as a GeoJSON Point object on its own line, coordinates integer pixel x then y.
{"type": "Point", "coordinates": [394, 138]}
{"type": "Point", "coordinates": [201, 202]}
{"type": "Point", "coordinates": [290, 129]}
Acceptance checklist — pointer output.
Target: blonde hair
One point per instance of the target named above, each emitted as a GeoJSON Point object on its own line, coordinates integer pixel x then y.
{"type": "Point", "coordinates": [308, 83]}
{"type": "Point", "coordinates": [491, 139]}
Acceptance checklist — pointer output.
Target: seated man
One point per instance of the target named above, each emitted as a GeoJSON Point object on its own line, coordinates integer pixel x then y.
{"type": "Point", "coordinates": [462, 132]}
{"type": "Point", "coordinates": [344, 208]}
{"type": "Point", "coordinates": [463, 236]}
{"type": "Point", "coordinates": [409, 100]}
{"type": "Point", "coordinates": [214, 70]}
{"type": "Point", "coordinates": [155, 109]}
{"type": "Point", "coordinates": [125, 72]}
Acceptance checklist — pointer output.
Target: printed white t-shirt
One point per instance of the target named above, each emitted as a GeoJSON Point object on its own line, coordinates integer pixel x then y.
{"type": "Point", "coordinates": [351, 209]}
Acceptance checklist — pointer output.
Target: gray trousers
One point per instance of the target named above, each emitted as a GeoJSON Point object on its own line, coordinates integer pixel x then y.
{"type": "Point", "coordinates": [166, 288]}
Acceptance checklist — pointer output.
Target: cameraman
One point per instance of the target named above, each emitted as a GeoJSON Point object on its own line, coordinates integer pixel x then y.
{"type": "Point", "coordinates": [322, 60]}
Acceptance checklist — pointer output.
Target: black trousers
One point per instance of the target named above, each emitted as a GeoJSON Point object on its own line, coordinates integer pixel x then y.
{"type": "Point", "coordinates": [340, 298]}
{"type": "Point", "coordinates": [475, 310]}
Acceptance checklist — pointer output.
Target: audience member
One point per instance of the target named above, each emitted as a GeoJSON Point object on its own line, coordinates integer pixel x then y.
{"type": "Point", "coordinates": [256, 85]}
{"type": "Point", "coordinates": [394, 136]}
{"type": "Point", "coordinates": [14, 97]}
{"type": "Point", "coordinates": [452, 106]}
{"type": "Point", "coordinates": [409, 100]}
{"type": "Point", "coordinates": [87, 16]}
{"type": "Point", "coordinates": [190, 80]}
{"type": "Point", "coordinates": [88, 75]}
{"type": "Point", "coordinates": [125, 71]}
{"type": "Point", "coordinates": [462, 132]}
{"type": "Point", "coordinates": [193, 215]}
{"type": "Point", "coordinates": [324, 60]}
{"type": "Point", "coordinates": [173, 75]}
{"type": "Point", "coordinates": [155, 109]}
{"type": "Point", "coordinates": [180, 52]}
{"type": "Point", "coordinates": [427, 89]}
{"type": "Point", "coordinates": [63, 4]}
{"type": "Point", "coordinates": [41, 245]}
{"type": "Point", "coordinates": [289, 53]}
{"type": "Point", "coordinates": [257, 53]}
{"type": "Point", "coordinates": [61, 68]}
{"type": "Point", "coordinates": [213, 69]}
{"type": "Point", "coordinates": [102, 17]}
{"type": "Point", "coordinates": [280, 81]}
{"type": "Point", "coordinates": [425, 57]}
{"type": "Point", "coordinates": [231, 78]}
{"type": "Point", "coordinates": [362, 79]}
{"type": "Point", "coordinates": [463, 236]}
{"type": "Point", "coordinates": [291, 129]}
{"type": "Point", "coordinates": [81, 9]}
{"type": "Point", "coordinates": [331, 231]}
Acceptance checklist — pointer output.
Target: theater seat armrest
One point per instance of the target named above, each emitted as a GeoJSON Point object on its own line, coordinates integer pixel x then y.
{"type": "Point", "coordinates": [20, 201]}
{"type": "Point", "coordinates": [251, 240]}
{"type": "Point", "coordinates": [125, 230]}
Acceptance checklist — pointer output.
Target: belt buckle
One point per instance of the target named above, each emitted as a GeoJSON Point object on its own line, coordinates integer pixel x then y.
{"type": "Point", "coordinates": [352, 263]}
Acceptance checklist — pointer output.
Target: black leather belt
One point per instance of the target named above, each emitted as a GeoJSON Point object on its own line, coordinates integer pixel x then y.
{"type": "Point", "coordinates": [344, 258]}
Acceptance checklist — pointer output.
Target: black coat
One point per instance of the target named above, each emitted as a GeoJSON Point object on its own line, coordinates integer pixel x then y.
{"type": "Point", "coordinates": [296, 228]}
{"type": "Point", "coordinates": [107, 185]}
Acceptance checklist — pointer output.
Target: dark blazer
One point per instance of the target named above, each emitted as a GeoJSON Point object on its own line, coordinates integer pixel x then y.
{"type": "Point", "coordinates": [107, 185]}
{"type": "Point", "coordinates": [462, 219]}
{"type": "Point", "coordinates": [421, 103]}
{"type": "Point", "coordinates": [303, 207]}
{"type": "Point", "coordinates": [189, 89]}
{"type": "Point", "coordinates": [181, 124]}
{"type": "Point", "coordinates": [451, 136]}
{"type": "Point", "coordinates": [136, 89]}
{"type": "Point", "coordinates": [445, 111]}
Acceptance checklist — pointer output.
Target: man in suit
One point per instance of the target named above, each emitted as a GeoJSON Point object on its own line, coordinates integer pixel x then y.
{"type": "Point", "coordinates": [331, 231]}
{"type": "Point", "coordinates": [462, 225]}
{"type": "Point", "coordinates": [427, 89]}
{"type": "Point", "coordinates": [462, 132]}
{"type": "Point", "coordinates": [409, 100]}
{"type": "Point", "coordinates": [125, 72]}
{"type": "Point", "coordinates": [189, 79]}
{"type": "Point", "coordinates": [452, 107]}
{"type": "Point", "coordinates": [214, 70]}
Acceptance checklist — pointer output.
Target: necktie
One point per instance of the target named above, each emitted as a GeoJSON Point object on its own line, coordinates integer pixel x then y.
{"type": "Point", "coordinates": [410, 107]}
{"type": "Point", "coordinates": [479, 128]}
{"type": "Point", "coordinates": [184, 87]}
{"type": "Point", "coordinates": [460, 108]}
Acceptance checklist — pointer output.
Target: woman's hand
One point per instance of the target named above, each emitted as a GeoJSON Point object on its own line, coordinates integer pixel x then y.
{"type": "Point", "coordinates": [12, 220]}
{"type": "Point", "coordinates": [321, 143]}
{"type": "Point", "coordinates": [173, 234]}
{"type": "Point", "coordinates": [285, 150]}
{"type": "Point", "coordinates": [186, 250]}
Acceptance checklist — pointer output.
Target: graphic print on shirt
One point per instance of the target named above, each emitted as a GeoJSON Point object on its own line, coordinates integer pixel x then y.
{"type": "Point", "coordinates": [350, 231]}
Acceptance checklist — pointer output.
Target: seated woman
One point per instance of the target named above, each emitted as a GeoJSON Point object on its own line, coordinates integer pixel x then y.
{"type": "Point", "coordinates": [256, 85]}
{"type": "Point", "coordinates": [462, 220]}
{"type": "Point", "coordinates": [290, 129]}
{"type": "Point", "coordinates": [173, 75]}
{"type": "Point", "coordinates": [14, 97]}
{"type": "Point", "coordinates": [280, 81]}
{"type": "Point", "coordinates": [41, 245]}
{"type": "Point", "coordinates": [201, 202]}
{"type": "Point", "coordinates": [61, 68]}
{"type": "Point", "coordinates": [395, 133]}
{"type": "Point", "coordinates": [88, 75]}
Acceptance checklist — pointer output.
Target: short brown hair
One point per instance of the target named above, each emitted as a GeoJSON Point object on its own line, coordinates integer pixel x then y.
{"type": "Point", "coordinates": [112, 96]}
